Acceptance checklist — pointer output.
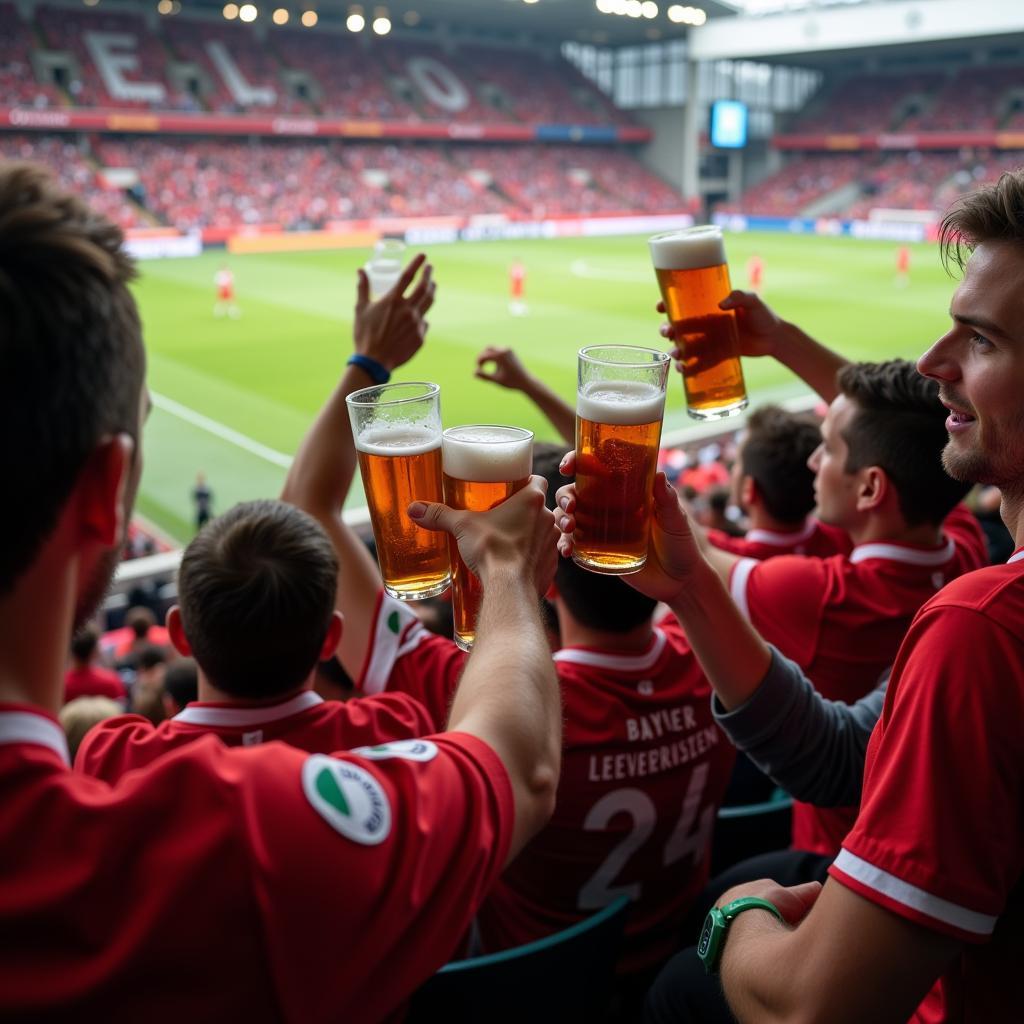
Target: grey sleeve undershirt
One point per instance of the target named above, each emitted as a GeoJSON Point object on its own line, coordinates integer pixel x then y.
{"type": "Point", "coordinates": [812, 747]}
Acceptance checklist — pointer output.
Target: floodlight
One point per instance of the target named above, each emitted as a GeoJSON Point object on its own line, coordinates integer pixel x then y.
{"type": "Point", "coordinates": [164, 7]}
{"type": "Point", "coordinates": [280, 16]}
{"type": "Point", "coordinates": [309, 18]}
{"type": "Point", "coordinates": [649, 9]}
{"type": "Point", "coordinates": [634, 8]}
{"type": "Point", "coordinates": [699, 16]}
{"type": "Point", "coordinates": [248, 12]}
{"type": "Point", "coordinates": [382, 26]}
{"type": "Point", "coordinates": [675, 14]}
{"type": "Point", "coordinates": [355, 22]}
{"type": "Point", "coordinates": [604, 6]}
{"type": "Point", "coordinates": [231, 11]}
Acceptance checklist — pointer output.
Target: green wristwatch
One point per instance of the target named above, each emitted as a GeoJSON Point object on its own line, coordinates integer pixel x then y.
{"type": "Point", "coordinates": [716, 925]}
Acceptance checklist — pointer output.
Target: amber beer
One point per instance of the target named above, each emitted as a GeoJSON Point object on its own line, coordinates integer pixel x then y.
{"type": "Point", "coordinates": [693, 277]}
{"type": "Point", "coordinates": [483, 465]}
{"type": "Point", "coordinates": [618, 430]}
{"type": "Point", "coordinates": [397, 431]}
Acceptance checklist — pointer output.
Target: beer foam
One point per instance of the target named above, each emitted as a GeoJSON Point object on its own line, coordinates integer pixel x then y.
{"type": "Point", "coordinates": [485, 455]}
{"type": "Point", "coordinates": [403, 440]}
{"type": "Point", "coordinates": [625, 403]}
{"type": "Point", "coordinates": [688, 249]}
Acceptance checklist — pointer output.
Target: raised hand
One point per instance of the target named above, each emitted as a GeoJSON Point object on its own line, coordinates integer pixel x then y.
{"type": "Point", "coordinates": [391, 330]}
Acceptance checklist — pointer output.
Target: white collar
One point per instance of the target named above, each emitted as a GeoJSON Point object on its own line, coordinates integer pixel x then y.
{"type": "Point", "coordinates": [898, 553]}
{"type": "Point", "coordinates": [783, 539]}
{"type": "Point", "coordinates": [204, 714]}
{"type": "Point", "coordinates": [30, 727]}
{"type": "Point", "coordinates": [1015, 557]}
{"type": "Point", "coordinates": [617, 662]}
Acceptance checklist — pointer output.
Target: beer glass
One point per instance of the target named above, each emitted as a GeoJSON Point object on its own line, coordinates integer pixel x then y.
{"type": "Point", "coordinates": [620, 401]}
{"type": "Point", "coordinates": [483, 465]}
{"type": "Point", "coordinates": [693, 277]}
{"type": "Point", "coordinates": [384, 267]}
{"type": "Point", "coordinates": [397, 431]}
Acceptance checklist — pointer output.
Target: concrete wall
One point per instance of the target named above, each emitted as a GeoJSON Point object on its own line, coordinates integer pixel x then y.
{"type": "Point", "coordinates": [664, 153]}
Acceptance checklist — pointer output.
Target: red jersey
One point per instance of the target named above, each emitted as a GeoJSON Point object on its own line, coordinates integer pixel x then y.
{"type": "Point", "coordinates": [292, 860]}
{"type": "Point", "coordinates": [842, 619]}
{"type": "Point", "coordinates": [644, 771]}
{"type": "Point", "coordinates": [813, 538]}
{"type": "Point", "coordinates": [940, 835]}
{"type": "Point", "coordinates": [225, 281]}
{"type": "Point", "coordinates": [305, 721]}
{"type": "Point", "coordinates": [93, 681]}
{"type": "Point", "coordinates": [517, 280]}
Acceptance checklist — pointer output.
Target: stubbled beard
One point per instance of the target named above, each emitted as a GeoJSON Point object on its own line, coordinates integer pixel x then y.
{"type": "Point", "coordinates": [967, 467]}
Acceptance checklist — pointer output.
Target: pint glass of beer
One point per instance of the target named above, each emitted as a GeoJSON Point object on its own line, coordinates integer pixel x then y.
{"type": "Point", "coordinates": [483, 465]}
{"type": "Point", "coordinates": [694, 278]}
{"type": "Point", "coordinates": [620, 401]}
{"type": "Point", "coordinates": [397, 431]}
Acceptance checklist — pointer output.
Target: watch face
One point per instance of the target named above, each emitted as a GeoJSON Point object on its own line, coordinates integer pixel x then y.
{"type": "Point", "coordinates": [705, 937]}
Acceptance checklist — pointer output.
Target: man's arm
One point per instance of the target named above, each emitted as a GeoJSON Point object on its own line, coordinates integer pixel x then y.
{"type": "Point", "coordinates": [849, 960]}
{"type": "Point", "coordinates": [763, 333]}
{"type": "Point", "coordinates": [390, 331]}
{"type": "Point", "coordinates": [812, 747]}
{"type": "Point", "coordinates": [509, 372]}
{"type": "Point", "coordinates": [508, 695]}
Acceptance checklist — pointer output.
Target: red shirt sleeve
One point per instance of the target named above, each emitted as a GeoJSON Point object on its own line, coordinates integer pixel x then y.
{"type": "Point", "coordinates": [940, 835]}
{"type": "Point", "coordinates": [368, 868]}
{"type": "Point", "coordinates": [784, 599]}
{"type": "Point", "coordinates": [114, 746]}
{"type": "Point", "coordinates": [405, 656]}
{"type": "Point", "coordinates": [963, 528]}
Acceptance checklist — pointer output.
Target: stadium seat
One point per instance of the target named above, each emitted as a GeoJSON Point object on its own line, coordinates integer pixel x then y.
{"type": "Point", "coordinates": [564, 977]}
{"type": "Point", "coordinates": [750, 829]}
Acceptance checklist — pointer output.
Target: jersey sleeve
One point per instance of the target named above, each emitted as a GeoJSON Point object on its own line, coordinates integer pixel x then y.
{"type": "Point", "coordinates": [405, 656]}
{"type": "Point", "coordinates": [734, 545]}
{"type": "Point", "coordinates": [369, 867]}
{"type": "Point", "coordinates": [116, 745]}
{"type": "Point", "coordinates": [387, 716]}
{"type": "Point", "coordinates": [784, 599]}
{"type": "Point", "coordinates": [963, 528]}
{"type": "Point", "coordinates": [940, 835]}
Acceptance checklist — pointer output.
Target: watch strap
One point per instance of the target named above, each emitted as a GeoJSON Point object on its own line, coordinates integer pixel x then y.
{"type": "Point", "coordinates": [716, 927]}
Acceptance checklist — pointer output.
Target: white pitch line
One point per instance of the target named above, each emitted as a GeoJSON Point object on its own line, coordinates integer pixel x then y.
{"type": "Point", "coordinates": [197, 419]}
{"type": "Point", "coordinates": [352, 516]}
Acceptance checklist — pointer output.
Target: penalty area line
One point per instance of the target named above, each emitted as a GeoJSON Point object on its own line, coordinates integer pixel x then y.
{"type": "Point", "coordinates": [352, 516]}
{"type": "Point", "coordinates": [197, 419]}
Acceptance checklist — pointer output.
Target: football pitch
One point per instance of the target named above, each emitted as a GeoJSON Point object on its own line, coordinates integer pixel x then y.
{"type": "Point", "coordinates": [232, 398]}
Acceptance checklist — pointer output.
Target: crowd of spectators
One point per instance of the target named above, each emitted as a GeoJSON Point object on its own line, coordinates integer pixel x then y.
{"type": "Point", "coordinates": [203, 183]}
{"type": "Point", "coordinates": [295, 72]}
{"type": "Point", "coordinates": [898, 181]}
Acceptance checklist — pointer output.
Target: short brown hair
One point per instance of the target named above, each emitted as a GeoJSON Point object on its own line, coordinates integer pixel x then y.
{"type": "Point", "coordinates": [71, 356]}
{"type": "Point", "coordinates": [900, 426]}
{"type": "Point", "coordinates": [774, 455]}
{"type": "Point", "coordinates": [988, 214]}
{"type": "Point", "coordinates": [256, 590]}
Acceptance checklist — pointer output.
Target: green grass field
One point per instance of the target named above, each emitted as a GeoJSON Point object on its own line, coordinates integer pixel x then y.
{"type": "Point", "coordinates": [233, 398]}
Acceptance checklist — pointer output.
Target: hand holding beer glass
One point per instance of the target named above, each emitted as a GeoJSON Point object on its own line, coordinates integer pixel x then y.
{"type": "Point", "coordinates": [397, 431]}
{"type": "Point", "coordinates": [694, 278]}
{"type": "Point", "coordinates": [483, 465]}
{"type": "Point", "coordinates": [620, 403]}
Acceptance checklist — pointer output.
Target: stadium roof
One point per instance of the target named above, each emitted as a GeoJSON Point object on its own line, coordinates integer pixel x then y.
{"type": "Point", "coordinates": [553, 20]}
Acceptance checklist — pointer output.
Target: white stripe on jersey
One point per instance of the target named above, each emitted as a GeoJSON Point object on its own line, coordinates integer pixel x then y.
{"type": "Point", "coordinates": [738, 583]}
{"type": "Point", "coordinates": [913, 897]}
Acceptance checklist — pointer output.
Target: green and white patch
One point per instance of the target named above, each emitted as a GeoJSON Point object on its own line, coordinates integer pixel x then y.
{"type": "Point", "coordinates": [348, 798]}
{"type": "Point", "coordinates": [407, 750]}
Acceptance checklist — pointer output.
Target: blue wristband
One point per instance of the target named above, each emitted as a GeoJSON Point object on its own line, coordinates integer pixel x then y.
{"type": "Point", "coordinates": [377, 372]}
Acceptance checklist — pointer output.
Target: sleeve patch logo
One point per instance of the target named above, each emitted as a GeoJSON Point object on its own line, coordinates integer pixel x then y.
{"type": "Point", "coordinates": [407, 750]}
{"type": "Point", "coordinates": [348, 798]}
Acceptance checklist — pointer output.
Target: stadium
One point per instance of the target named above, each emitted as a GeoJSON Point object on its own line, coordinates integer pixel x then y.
{"type": "Point", "coordinates": [259, 159]}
